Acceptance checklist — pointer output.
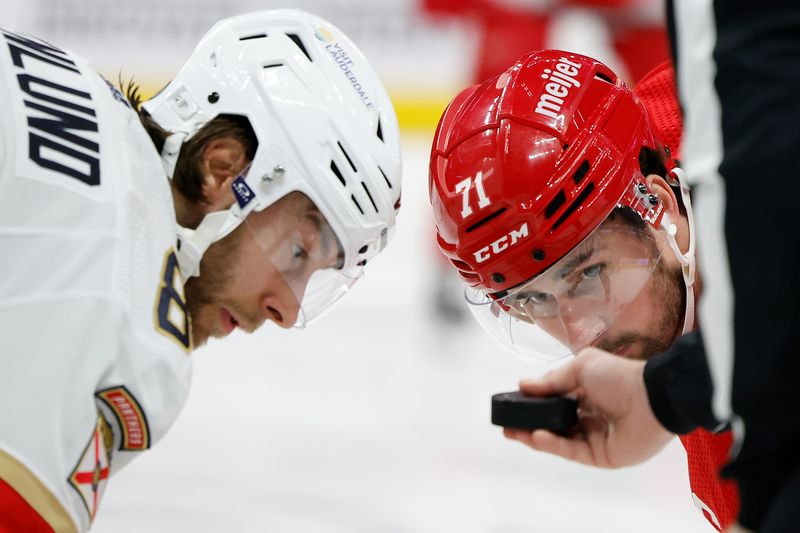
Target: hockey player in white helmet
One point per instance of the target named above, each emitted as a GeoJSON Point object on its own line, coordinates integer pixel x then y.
{"type": "Point", "coordinates": [267, 174]}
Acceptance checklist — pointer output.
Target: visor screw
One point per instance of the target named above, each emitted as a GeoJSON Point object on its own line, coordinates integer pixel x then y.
{"type": "Point", "coordinates": [498, 278]}
{"type": "Point", "coordinates": [266, 178]}
{"type": "Point", "coordinates": [280, 170]}
{"type": "Point", "coordinates": [213, 98]}
{"type": "Point", "coordinates": [538, 254]}
{"type": "Point", "coordinates": [642, 188]}
{"type": "Point", "coordinates": [363, 249]}
{"type": "Point", "coordinates": [652, 199]}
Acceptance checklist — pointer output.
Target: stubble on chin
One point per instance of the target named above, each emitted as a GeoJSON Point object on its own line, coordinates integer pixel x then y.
{"type": "Point", "coordinates": [200, 334]}
{"type": "Point", "coordinates": [641, 346]}
{"type": "Point", "coordinates": [202, 292]}
{"type": "Point", "coordinates": [669, 283]}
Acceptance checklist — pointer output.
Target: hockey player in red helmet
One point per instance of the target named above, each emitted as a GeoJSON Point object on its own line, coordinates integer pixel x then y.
{"type": "Point", "coordinates": [568, 219]}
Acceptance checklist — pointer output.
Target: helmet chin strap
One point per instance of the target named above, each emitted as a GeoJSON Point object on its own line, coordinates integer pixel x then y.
{"type": "Point", "coordinates": [195, 242]}
{"type": "Point", "coordinates": [686, 260]}
{"type": "Point", "coordinates": [213, 227]}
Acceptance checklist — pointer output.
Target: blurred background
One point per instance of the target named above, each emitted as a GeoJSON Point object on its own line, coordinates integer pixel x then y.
{"type": "Point", "coordinates": [376, 418]}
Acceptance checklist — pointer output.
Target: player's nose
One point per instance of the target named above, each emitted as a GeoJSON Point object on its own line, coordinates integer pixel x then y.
{"type": "Point", "coordinates": [282, 308]}
{"type": "Point", "coordinates": [281, 299]}
{"type": "Point", "coordinates": [581, 325]}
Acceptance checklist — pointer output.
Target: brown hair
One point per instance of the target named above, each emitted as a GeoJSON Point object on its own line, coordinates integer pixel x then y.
{"type": "Point", "coordinates": [188, 175]}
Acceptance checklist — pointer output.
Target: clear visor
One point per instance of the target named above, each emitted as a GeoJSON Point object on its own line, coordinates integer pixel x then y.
{"type": "Point", "coordinates": [304, 258]}
{"type": "Point", "coordinates": [573, 303]}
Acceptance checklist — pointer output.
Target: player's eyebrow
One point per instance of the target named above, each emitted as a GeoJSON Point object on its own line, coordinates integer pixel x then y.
{"type": "Point", "coordinates": [575, 262]}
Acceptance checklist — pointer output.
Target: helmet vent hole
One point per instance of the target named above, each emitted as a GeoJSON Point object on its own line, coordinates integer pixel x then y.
{"type": "Point", "coordinates": [380, 130]}
{"type": "Point", "coordinates": [296, 38]}
{"type": "Point", "coordinates": [574, 205]}
{"type": "Point", "coordinates": [347, 156]}
{"type": "Point", "coordinates": [338, 173]}
{"type": "Point", "coordinates": [555, 204]}
{"type": "Point", "coordinates": [272, 65]}
{"type": "Point", "coordinates": [366, 190]}
{"type": "Point", "coordinates": [389, 183]}
{"type": "Point", "coordinates": [601, 76]}
{"type": "Point", "coordinates": [250, 37]}
{"type": "Point", "coordinates": [581, 172]}
{"type": "Point", "coordinates": [461, 265]}
{"type": "Point", "coordinates": [352, 197]}
{"type": "Point", "coordinates": [486, 219]}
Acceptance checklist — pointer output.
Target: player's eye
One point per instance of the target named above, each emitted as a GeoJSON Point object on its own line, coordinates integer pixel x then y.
{"type": "Point", "coordinates": [538, 297]}
{"type": "Point", "coordinates": [532, 298]}
{"type": "Point", "coordinates": [299, 253]}
{"type": "Point", "coordinates": [592, 272]}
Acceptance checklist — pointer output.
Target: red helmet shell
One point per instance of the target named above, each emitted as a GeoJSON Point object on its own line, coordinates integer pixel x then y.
{"type": "Point", "coordinates": [528, 163]}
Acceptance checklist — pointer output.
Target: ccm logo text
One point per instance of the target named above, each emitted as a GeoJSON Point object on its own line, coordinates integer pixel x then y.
{"type": "Point", "coordinates": [502, 244]}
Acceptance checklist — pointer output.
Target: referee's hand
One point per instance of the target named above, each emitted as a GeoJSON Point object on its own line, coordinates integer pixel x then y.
{"type": "Point", "coordinates": [616, 426]}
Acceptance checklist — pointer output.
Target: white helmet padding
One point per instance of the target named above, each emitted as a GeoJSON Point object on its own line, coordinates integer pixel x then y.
{"type": "Point", "coordinates": [324, 123]}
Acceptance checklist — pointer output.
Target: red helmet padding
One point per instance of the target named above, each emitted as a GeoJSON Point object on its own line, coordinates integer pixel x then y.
{"type": "Point", "coordinates": [528, 131]}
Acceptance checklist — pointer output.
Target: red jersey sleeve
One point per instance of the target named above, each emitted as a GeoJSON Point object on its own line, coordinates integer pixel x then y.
{"type": "Point", "coordinates": [706, 454]}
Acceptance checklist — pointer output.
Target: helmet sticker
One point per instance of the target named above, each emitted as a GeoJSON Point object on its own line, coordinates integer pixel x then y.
{"type": "Point", "coordinates": [244, 194]}
{"type": "Point", "coordinates": [502, 244]}
{"type": "Point", "coordinates": [342, 58]}
{"type": "Point", "coordinates": [555, 92]}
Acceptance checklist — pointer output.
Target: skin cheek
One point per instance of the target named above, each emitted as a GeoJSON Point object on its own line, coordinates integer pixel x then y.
{"type": "Point", "coordinates": [640, 315]}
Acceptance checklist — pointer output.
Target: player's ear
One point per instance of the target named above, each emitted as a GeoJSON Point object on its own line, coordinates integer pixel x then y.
{"type": "Point", "coordinates": [221, 161]}
{"type": "Point", "coordinates": [665, 195]}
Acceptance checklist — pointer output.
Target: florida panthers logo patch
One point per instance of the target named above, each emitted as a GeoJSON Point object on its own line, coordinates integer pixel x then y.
{"type": "Point", "coordinates": [90, 475]}
{"type": "Point", "coordinates": [135, 433]}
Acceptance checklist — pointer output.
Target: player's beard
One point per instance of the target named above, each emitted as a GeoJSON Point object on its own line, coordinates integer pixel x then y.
{"type": "Point", "coordinates": [203, 292]}
{"type": "Point", "coordinates": [669, 289]}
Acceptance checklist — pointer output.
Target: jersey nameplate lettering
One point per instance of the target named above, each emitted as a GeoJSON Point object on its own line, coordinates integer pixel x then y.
{"type": "Point", "coordinates": [60, 117]}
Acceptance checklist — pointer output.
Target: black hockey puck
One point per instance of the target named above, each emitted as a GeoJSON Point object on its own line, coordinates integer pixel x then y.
{"type": "Point", "coordinates": [515, 410]}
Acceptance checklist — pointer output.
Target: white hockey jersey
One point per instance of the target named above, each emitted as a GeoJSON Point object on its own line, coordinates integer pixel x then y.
{"type": "Point", "coordinates": [94, 330]}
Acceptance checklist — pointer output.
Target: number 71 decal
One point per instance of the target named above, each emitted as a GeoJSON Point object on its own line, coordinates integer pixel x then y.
{"type": "Point", "coordinates": [464, 187]}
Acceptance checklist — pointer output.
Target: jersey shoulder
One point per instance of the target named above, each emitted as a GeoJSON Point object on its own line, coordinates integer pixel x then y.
{"type": "Point", "coordinates": [85, 204]}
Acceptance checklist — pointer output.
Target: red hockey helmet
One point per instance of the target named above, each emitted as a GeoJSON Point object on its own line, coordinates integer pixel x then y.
{"type": "Point", "coordinates": [528, 164]}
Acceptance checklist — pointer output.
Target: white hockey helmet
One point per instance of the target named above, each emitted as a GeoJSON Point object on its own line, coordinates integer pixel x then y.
{"type": "Point", "coordinates": [324, 123]}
